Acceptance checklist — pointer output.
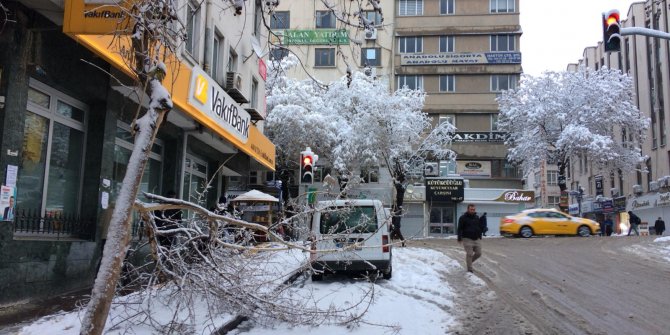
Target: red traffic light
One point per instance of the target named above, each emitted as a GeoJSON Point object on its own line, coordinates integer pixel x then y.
{"type": "Point", "coordinates": [611, 31]}
{"type": "Point", "coordinates": [306, 160]}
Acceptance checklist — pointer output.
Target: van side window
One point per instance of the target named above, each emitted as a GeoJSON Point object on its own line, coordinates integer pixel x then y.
{"type": "Point", "coordinates": [348, 220]}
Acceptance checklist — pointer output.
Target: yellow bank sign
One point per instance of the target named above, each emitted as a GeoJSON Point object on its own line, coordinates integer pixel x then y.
{"type": "Point", "coordinates": [96, 17]}
{"type": "Point", "coordinates": [209, 98]}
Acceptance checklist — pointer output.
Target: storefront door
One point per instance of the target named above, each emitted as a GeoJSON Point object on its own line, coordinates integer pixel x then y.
{"type": "Point", "coordinates": [442, 219]}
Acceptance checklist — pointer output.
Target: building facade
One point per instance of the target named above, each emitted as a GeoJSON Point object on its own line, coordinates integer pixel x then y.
{"type": "Point", "coordinates": [462, 54]}
{"type": "Point", "coordinates": [66, 139]}
{"type": "Point", "coordinates": [646, 190]}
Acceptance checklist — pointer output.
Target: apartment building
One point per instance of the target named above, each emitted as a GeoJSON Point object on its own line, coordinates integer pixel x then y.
{"type": "Point", "coordinates": [645, 191]}
{"type": "Point", "coordinates": [66, 137]}
{"type": "Point", "coordinates": [462, 54]}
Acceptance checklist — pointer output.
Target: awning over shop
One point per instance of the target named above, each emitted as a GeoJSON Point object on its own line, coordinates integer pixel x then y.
{"type": "Point", "coordinates": [89, 30]}
{"type": "Point", "coordinates": [255, 195]}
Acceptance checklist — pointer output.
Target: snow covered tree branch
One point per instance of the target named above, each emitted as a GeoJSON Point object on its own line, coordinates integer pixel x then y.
{"type": "Point", "coordinates": [560, 115]}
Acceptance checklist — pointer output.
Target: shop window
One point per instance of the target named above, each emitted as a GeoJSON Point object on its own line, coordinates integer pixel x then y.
{"type": "Point", "coordinates": [442, 220]}
{"type": "Point", "coordinates": [151, 178]}
{"type": "Point", "coordinates": [52, 154]}
{"type": "Point", "coordinates": [370, 175]}
{"type": "Point", "coordinates": [195, 180]}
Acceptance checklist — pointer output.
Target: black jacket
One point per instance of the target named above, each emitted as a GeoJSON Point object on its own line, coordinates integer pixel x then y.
{"type": "Point", "coordinates": [659, 225]}
{"type": "Point", "coordinates": [468, 227]}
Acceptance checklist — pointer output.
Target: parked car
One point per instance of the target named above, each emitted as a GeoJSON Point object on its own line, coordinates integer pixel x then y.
{"type": "Point", "coordinates": [351, 236]}
{"type": "Point", "coordinates": [547, 222]}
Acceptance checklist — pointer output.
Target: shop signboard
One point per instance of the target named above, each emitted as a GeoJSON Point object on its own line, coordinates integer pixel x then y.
{"type": "Point", "coordinates": [663, 199]}
{"type": "Point", "coordinates": [461, 58]}
{"type": "Point", "coordinates": [474, 169]}
{"type": "Point", "coordinates": [445, 189]}
{"type": "Point", "coordinates": [316, 37]}
{"type": "Point", "coordinates": [516, 196]}
{"type": "Point", "coordinates": [573, 209]}
{"type": "Point", "coordinates": [619, 204]}
{"type": "Point", "coordinates": [607, 206]}
{"type": "Point", "coordinates": [479, 137]}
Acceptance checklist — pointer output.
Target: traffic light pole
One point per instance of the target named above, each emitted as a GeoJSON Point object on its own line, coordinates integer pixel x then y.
{"type": "Point", "coordinates": [645, 32]}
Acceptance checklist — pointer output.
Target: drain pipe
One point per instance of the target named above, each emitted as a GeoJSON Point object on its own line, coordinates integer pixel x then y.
{"type": "Point", "coordinates": [207, 61]}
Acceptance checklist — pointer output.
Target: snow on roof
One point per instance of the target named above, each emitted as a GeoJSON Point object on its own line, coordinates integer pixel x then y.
{"type": "Point", "coordinates": [255, 195]}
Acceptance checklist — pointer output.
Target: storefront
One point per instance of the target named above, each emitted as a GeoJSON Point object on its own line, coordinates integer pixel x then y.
{"type": "Point", "coordinates": [497, 203]}
{"type": "Point", "coordinates": [442, 196]}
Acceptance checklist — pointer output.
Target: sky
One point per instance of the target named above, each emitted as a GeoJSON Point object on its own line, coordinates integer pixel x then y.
{"type": "Point", "coordinates": [579, 25]}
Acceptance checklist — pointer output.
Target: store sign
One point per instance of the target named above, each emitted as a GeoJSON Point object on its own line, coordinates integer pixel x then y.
{"type": "Point", "coordinates": [517, 196]}
{"type": "Point", "coordinates": [663, 199]}
{"type": "Point", "coordinates": [474, 168]}
{"type": "Point", "coordinates": [489, 137]}
{"type": "Point", "coordinates": [619, 204]}
{"type": "Point", "coordinates": [208, 97]}
{"type": "Point", "coordinates": [445, 189]}
{"type": "Point", "coordinates": [318, 37]}
{"type": "Point", "coordinates": [599, 184]}
{"type": "Point", "coordinates": [573, 209]}
{"type": "Point", "coordinates": [461, 58]}
{"type": "Point", "coordinates": [637, 204]}
{"type": "Point", "coordinates": [96, 17]}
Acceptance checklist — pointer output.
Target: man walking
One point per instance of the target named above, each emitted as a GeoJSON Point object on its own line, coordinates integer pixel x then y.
{"type": "Point", "coordinates": [634, 220]}
{"type": "Point", "coordinates": [470, 234]}
{"type": "Point", "coordinates": [659, 226]}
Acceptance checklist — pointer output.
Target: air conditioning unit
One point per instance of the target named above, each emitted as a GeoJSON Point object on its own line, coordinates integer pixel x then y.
{"type": "Point", "coordinates": [371, 34]}
{"type": "Point", "coordinates": [653, 186]}
{"type": "Point", "coordinates": [637, 189]}
{"type": "Point", "coordinates": [614, 192]}
{"type": "Point", "coordinates": [233, 81]}
{"type": "Point", "coordinates": [664, 181]}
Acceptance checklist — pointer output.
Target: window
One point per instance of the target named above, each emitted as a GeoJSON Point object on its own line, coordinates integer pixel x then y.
{"type": "Point", "coordinates": [447, 83]}
{"type": "Point", "coordinates": [356, 219]}
{"type": "Point", "coordinates": [217, 55]}
{"type": "Point", "coordinates": [494, 122]}
{"type": "Point", "coordinates": [412, 44]}
{"type": "Point", "coordinates": [373, 17]}
{"type": "Point", "coordinates": [446, 44]}
{"type": "Point", "coordinates": [553, 201]}
{"type": "Point", "coordinates": [258, 19]}
{"type": "Point", "coordinates": [151, 178]}
{"type": "Point", "coordinates": [410, 7]}
{"type": "Point", "coordinates": [232, 61]}
{"type": "Point", "coordinates": [254, 94]}
{"type": "Point", "coordinates": [371, 57]}
{"type": "Point", "coordinates": [370, 175]}
{"type": "Point", "coordinates": [446, 7]}
{"type": "Point", "coordinates": [325, 19]}
{"type": "Point", "coordinates": [278, 53]}
{"type": "Point", "coordinates": [324, 57]}
{"type": "Point", "coordinates": [195, 180]}
{"type": "Point", "coordinates": [552, 177]}
{"type": "Point", "coordinates": [442, 220]}
{"type": "Point", "coordinates": [451, 118]}
{"type": "Point", "coordinates": [412, 82]}
{"type": "Point", "coordinates": [280, 20]}
{"type": "Point", "coordinates": [503, 43]}
{"type": "Point", "coordinates": [502, 6]}
{"type": "Point", "coordinates": [192, 27]}
{"type": "Point", "coordinates": [447, 168]}
{"type": "Point", "coordinates": [52, 155]}
{"type": "Point", "coordinates": [253, 177]}
{"type": "Point", "coordinates": [501, 82]}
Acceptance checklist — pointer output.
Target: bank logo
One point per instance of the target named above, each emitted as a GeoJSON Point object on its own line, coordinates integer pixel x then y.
{"type": "Point", "coordinates": [201, 87]}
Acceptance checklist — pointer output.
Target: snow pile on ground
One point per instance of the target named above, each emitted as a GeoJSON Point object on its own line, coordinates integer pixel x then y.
{"type": "Point", "coordinates": [415, 301]}
{"type": "Point", "coordinates": [127, 312]}
{"type": "Point", "coordinates": [665, 246]}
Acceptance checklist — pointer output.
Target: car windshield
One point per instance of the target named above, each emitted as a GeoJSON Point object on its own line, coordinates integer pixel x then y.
{"type": "Point", "coordinates": [344, 220]}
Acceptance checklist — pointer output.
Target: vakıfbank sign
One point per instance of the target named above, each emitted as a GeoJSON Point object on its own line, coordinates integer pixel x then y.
{"type": "Point", "coordinates": [208, 97]}
{"type": "Point", "coordinates": [461, 58]}
{"type": "Point", "coordinates": [96, 17]}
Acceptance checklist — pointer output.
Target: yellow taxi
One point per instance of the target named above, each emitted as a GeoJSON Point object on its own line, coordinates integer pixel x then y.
{"type": "Point", "coordinates": [542, 221]}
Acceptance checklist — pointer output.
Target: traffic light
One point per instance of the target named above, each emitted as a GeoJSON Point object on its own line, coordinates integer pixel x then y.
{"type": "Point", "coordinates": [611, 31]}
{"type": "Point", "coordinates": [307, 168]}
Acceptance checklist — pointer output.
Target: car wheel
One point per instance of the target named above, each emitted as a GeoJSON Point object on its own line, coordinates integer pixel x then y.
{"type": "Point", "coordinates": [388, 272]}
{"type": "Point", "coordinates": [583, 231]}
{"type": "Point", "coordinates": [526, 232]}
{"type": "Point", "coordinates": [317, 276]}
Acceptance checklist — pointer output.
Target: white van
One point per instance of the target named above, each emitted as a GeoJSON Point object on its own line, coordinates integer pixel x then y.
{"type": "Point", "coordinates": [351, 236]}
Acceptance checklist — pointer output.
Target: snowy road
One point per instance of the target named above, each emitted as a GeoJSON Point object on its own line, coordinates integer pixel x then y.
{"type": "Point", "coordinates": [555, 285]}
